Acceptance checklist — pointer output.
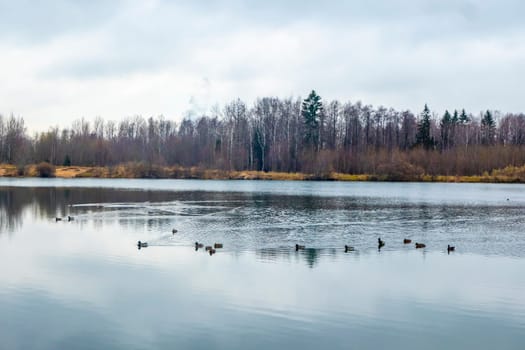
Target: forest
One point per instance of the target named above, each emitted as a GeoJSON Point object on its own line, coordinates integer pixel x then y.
{"type": "Point", "coordinates": [284, 135]}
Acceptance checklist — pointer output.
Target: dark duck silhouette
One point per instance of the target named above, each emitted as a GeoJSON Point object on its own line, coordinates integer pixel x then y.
{"type": "Point", "coordinates": [142, 244]}
{"type": "Point", "coordinates": [420, 245]}
{"type": "Point", "coordinates": [380, 243]}
{"type": "Point", "coordinates": [450, 249]}
{"type": "Point", "coordinates": [407, 241]}
{"type": "Point", "coordinates": [349, 248]}
{"type": "Point", "coordinates": [299, 247]}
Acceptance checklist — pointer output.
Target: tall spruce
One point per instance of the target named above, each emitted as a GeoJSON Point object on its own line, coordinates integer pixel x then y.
{"type": "Point", "coordinates": [463, 118]}
{"type": "Point", "coordinates": [488, 126]}
{"type": "Point", "coordinates": [311, 110]}
{"type": "Point", "coordinates": [446, 127]}
{"type": "Point", "coordinates": [423, 137]}
{"type": "Point", "coordinates": [455, 117]}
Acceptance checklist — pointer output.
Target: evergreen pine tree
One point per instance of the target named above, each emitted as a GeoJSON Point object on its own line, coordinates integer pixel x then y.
{"type": "Point", "coordinates": [445, 125]}
{"type": "Point", "coordinates": [463, 118]}
{"type": "Point", "coordinates": [423, 137]}
{"type": "Point", "coordinates": [67, 160]}
{"type": "Point", "coordinates": [488, 126]}
{"type": "Point", "coordinates": [455, 117]}
{"type": "Point", "coordinates": [312, 107]}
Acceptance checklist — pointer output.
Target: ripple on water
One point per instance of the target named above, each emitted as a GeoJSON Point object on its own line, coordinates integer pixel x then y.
{"type": "Point", "coordinates": [85, 282]}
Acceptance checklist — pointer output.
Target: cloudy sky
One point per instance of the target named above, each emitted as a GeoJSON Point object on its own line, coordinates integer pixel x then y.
{"type": "Point", "coordinates": [61, 60]}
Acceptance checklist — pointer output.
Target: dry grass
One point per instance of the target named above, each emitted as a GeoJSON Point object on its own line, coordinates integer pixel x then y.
{"type": "Point", "coordinates": [141, 170]}
{"type": "Point", "coordinates": [80, 171]}
{"type": "Point", "coordinates": [350, 177]}
{"type": "Point", "coordinates": [261, 175]}
{"type": "Point", "coordinates": [8, 170]}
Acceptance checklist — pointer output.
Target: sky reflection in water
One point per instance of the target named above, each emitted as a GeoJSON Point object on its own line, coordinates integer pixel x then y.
{"type": "Point", "coordinates": [84, 284]}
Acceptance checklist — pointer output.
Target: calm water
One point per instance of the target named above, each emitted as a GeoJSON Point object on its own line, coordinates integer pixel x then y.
{"type": "Point", "coordinates": [84, 284]}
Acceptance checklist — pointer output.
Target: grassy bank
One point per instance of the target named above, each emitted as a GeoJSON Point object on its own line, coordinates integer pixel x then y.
{"type": "Point", "coordinates": [140, 170]}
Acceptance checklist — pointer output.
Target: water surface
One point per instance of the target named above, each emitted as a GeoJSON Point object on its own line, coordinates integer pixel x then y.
{"type": "Point", "coordinates": [84, 283]}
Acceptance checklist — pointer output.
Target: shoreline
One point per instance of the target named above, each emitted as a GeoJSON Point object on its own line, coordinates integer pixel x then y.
{"type": "Point", "coordinates": [140, 171]}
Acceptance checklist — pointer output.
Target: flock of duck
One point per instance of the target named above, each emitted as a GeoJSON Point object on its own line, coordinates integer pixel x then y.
{"type": "Point", "coordinates": [213, 249]}
{"type": "Point", "coordinates": [380, 243]}
{"type": "Point", "coordinates": [210, 249]}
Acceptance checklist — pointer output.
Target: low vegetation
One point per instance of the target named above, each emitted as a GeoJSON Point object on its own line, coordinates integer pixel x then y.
{"type": "Point", "coordinates": [138, 170]}
{"type": "Point", "coordinates": [45, 169]}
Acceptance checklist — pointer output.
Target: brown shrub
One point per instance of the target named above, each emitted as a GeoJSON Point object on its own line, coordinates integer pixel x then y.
{"type": "Point", "coordinates": [45, 169]}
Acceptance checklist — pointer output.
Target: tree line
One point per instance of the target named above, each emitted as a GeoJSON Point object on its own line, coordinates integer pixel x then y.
{"type": "Point", "coordinates": [288, 135]}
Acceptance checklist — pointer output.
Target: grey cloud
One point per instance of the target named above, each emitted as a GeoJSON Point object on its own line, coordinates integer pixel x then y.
{"type": "Point", "coordinates": [397, 53]}
{"type": "Point", "coordinates": [169, 34]}
{"type": "Point", "coordinates": [35, 21]}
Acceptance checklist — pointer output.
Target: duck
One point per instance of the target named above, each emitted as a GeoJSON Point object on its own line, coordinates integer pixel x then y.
{"type": "Point", "coordinates": [212, 251]}
{"type": "Point", "coordinates": [58, 219]}
{"type": "Point", "coordinates": [198, 245]}
{"type": "Point", "coordinates": [208, 248]}
{"type": "Point", "coordinates": [407, 241]}
{"type": "Point", "coordinates": [70, 218]}
{"type": "Point", "coordinates": [450, 248]}
{"type": "Point", "coordinates": [217, 245]}
{"type": "Point", "coordinates": [420, 245]}
{"type": "Point", "coordinates": [142, 244]}
{"type": "Point", "coordinates": [174, 231]}
{"type": "Point", "coordinates": [299, 247]}
{"type": "Point", "coordinates": [380, 243]}
{"type": "Point", "coordinates": [349, 248]}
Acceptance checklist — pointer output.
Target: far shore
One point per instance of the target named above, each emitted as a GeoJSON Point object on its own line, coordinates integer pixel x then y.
{"type": "Point", "coordinates": [139, 170]}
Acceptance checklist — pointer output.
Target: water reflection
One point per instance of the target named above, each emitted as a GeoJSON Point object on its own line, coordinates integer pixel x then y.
{"type": "Point", "coordinates": [310, 255]}
{"type": "Point", "coordinates": [84, 283]}
{"type": "Point", "coordinates": [254, 221]}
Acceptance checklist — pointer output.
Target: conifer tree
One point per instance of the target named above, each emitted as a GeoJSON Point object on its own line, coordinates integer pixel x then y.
{"type": "Point", "coordinates": [455, 117]}
{"type": "Point", "coordinates": [312, 108]}
{"type": "Point", "coordinates": [446, 123]}
{"type": "Point", "coordinates": [488, 126]}
{"type": "Point", "coordinates": [423, 137]}
{"type": "Point", "coordinates": [463, 118]}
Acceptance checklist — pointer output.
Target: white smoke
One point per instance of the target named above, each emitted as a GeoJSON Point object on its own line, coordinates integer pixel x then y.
{"type": "Point", "coordinates": [200, 100]}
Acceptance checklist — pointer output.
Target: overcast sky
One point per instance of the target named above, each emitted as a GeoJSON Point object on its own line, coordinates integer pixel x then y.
{"type": "Point", "coordinates": [61, 60]}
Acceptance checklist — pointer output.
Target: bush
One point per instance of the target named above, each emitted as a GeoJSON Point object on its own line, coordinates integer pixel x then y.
{"type": "Point", "coordinates": [20, 170]}
{"type": "Point", "coordinates": [67, 161]}
{"type": "Point", "coordinates": [45, 169]}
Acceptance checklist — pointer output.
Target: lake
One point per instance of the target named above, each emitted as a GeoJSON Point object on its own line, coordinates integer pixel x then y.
{"type": "Point", "coordinates": [84, 284]}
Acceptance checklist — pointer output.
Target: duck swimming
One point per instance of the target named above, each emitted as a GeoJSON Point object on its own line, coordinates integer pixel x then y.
{"type": "Point", "coordinates": [450, 248]}
{"type": "Point", "coordinates": [380, 243]}
{"type": "Point", "coordinates": [299, 247]}
{"type": "Point", "coordinates": [348, 248]}
{"type": "Point", "coordinates": [174, 231]}
{"type": "Point", "coordinates": [420, 245]}
{"type": "Point", "coordinates": [217, 245]}
{"type": "Point", "coordinates": [407, 241]}
{"type": "Point", "coordinates": [142, 244]}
